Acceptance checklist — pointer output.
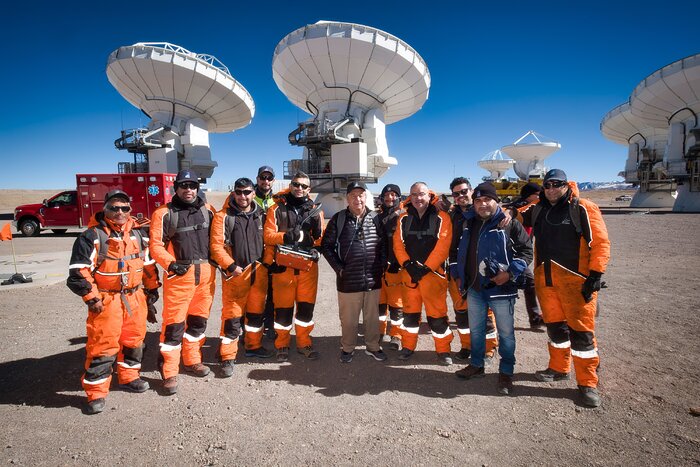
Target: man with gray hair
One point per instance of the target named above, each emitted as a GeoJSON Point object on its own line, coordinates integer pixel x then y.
{"type": "Point", "coordinates": [353, 245]}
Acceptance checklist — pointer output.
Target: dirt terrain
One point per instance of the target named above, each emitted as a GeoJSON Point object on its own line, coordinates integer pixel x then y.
{"type": "Point", "coordinates": [367, 413]}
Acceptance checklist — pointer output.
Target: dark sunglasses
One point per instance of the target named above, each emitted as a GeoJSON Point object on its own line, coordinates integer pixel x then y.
{"type": "Point", "coordinates": [460, 193]}
{"type": "Point", "coordinates": [268, 178]}
{"type": "Point", "coordinates": [188, 186]}
{"type": "Point", "coordinates": [243, 192]}
{"type": "Point", "coordinates": [119, 208]}
{"type": "Point", "coordinates": [300, 185]}
{"type": "Point", "coordinates": [553, 184]}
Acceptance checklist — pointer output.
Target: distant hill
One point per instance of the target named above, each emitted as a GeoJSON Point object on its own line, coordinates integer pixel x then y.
{"type": "Point", "coordinates": [586, 186]}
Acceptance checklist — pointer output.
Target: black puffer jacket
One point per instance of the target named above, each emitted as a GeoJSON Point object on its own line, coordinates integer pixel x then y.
{"type": "Point", "coordinates": [358, 257]}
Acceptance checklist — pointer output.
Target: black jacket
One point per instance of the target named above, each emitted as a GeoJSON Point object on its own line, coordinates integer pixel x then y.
{"type": "Point", "coordinates": [358, 256]}
{"type": "Point", "coordinates": [246, 240]}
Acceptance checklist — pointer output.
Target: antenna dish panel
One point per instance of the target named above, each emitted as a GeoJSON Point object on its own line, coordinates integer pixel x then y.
{"type": "Point", "coordinates": [496, 163]}
{"type": "Point", "coordinates": [620, 125]}
{"type": "Point", "coordinates": [168, 82]}
{"type": "Point", "coordinates": [668, 90]}
{"type": "Point", "coordinates": [529, 156]}
{"type": "Point", "coordinates": [345, 65]}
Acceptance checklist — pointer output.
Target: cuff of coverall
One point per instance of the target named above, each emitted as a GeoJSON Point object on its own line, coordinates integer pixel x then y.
{"type": "Point", "coordinates": [90, 296]}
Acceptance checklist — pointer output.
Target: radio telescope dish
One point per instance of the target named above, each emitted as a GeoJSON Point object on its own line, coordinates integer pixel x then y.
{"type": "Point", "coordinates": [496, 164]}
{"type": "Point", "coordinates": [345, 65]}
{"type": "Point", "coordinates": [529, 156]}
{"type": "Point", "coordinates": [187, 96]}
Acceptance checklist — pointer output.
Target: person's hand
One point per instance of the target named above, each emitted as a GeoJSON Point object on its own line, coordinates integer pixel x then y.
{"type": "Point", "coordinates": [234, 270]}
{"type": "Point", "coordinates": [293, 236]}
{"type": "Point", "coordinates": [591, 285]}
{"type": "Point", "coordinates": [152, 296]}
{"type": "Point", "coordinates": [179, 269]}
{"type": "Point", "coordinates": [416, 270]}
{"type": "Point", "coordinates": [505, 221]}
{"type": "Point", "coordinates": [95, 305]}
{"type": "Point", "coordinates": [501, 278]}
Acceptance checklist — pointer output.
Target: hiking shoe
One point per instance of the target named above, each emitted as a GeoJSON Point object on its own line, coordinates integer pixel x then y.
{"type": "Point", "coordinates": [198, 369]}
{"type": "Point", "coordinates": [378, 355]}
{"type": "Point", "coordinates": [463, 355]}
{"type": "Point", "coordinates": [283, 354]}
{"type": "Point", "coordinates": [537, 324]}
{"type": "Point", "coordinates": [589, 396]}
{"type": "Point", "coordinates": [395, 343]}
{"type": "Point", "coordinates": [260, 352]}
{"type": "Point", "coordinates": [549, 375]}
{"type": "Point", "coordinates": [444, 358]}
{"type": "Point", "coordinates": [470, 371]}
{"type": "Point", "coordinates": [308, 352]}
{"type": "Point", "coordinates": [95, 406]}
{"type": "Point", "coordinates": [505, 384]}
{"type": "Point", "coordinates": [346, 357]}
{"type": "Point", "coordinates": [137, 385]}
{"type": "Point", "coordinates": [170, 386]}
{"type": "Point", "coordinates": [405, 354]}
{"type": "Point", "coordinates": [227, 368]}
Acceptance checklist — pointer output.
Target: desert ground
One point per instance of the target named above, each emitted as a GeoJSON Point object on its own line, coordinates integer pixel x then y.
{"type": "Point", "coordinates": [366, 412]}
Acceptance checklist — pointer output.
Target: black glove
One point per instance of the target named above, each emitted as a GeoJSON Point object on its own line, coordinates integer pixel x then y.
{"type": "Point", "coordinates": [393, 268]}
{"type": "Point", "coordinates": [179, 269]}
{"type": "Point", "coordinates": [592, 284]}
{"type": "Point", "coordinates": [292, 236]}
{"type": "Point", "coordinates": [416, 270]}
{"type": "Point", "coordinates": [151, 298]}
{"type": "Point", "coordinates": [308, 240]}
{"type": "Point", "coordinates": [232, 267]}
{"type": "Point", "coordinates": [95, 305]}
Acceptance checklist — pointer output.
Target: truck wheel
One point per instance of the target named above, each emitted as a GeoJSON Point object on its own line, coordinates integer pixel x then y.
{"type": "Point", "coordinates": [29, 228]}
{"type": "Point", "coordinates": [59, 231]}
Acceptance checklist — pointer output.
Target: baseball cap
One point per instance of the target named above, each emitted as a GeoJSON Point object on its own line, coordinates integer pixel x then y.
{"type": "Point", "coordinates": [117, 194]}
{"type": "Point", "coordinates": [555, 174]}
{"type": "Point", "coordinates": [355, 186]}
{"type": "Point", "coordinates": [266, 168]}
{"type": "Point", "coordinates": [186, 176]}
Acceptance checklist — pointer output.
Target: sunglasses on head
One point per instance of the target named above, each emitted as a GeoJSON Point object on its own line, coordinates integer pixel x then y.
{"type": "Point", "coordinates": [119, 208]}
{"type": "Point", "coordinates": [464, 192]}
{"type": "Point", "coordinates": [553, 184]}
{"type": "Point", "coordinates": [188, 186]}
{"type": "Point", "coordinates": [303, 186]}
{"type": "Point", "coordinates": [268, 178]}
{"type": "Point", "coordinates": [243, 192]}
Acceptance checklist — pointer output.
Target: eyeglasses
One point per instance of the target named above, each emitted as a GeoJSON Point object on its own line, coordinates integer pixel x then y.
{"type": "Point", "coordinates": [243, 192]}
{"type": "Point", "coordinates": [553, 184]}
{"type": "Point", "coordinates": [119, 208]}
{"type": "Point", "coordinates": [303, 186]}
{"type": "Point", "coordinates": [464, 192]}
{"type": "Point", "coordinates": [188, 185]}
{"type": "Point", "coordinates": [267, 178]}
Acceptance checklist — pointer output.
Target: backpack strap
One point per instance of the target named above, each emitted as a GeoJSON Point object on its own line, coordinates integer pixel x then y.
{"type": "Point", "coordinates": [230, 222]}
{"type": "Point", "coordinates": [104, 247]}
{"type": "Point", "coordinates": [431, 231]}
{"type": "Point", "coordinates": [574, 214]}
{"type": "Point", "coordinates": [174, 216]}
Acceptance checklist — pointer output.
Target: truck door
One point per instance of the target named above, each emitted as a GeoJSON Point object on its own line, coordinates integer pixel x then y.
{"type": "Point", "coordinates": [61, 210]}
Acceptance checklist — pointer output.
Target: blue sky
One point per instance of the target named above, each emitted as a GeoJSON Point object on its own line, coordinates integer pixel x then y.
{"type": "Point", "coordinates": [497, 71]}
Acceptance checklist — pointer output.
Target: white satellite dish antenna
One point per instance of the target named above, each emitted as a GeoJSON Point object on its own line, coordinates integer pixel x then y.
{"type": "Point", "coordinates": [353, 80]}
{"type": "Point", "coordinates": [186, 95]}
{"type": "Point", "coordinates": [496, 164]}
{"type": "Point", "coordinates": [670, 98]}
{"type": "Point", "coordinates": [530, 155]}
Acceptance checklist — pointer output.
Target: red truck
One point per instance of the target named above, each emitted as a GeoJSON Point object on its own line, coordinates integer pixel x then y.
{"type": "Point", "coordinates": [72, 209]}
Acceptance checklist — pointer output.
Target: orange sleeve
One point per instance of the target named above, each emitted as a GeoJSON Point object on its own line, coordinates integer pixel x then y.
{"type": "Point", "coordinates": [441, 251]}
{"type": "Point", "coordinates": [156, 245]}
{"type": "Point", "coordinates": [599, 244]}
{"type": "Point", "coordinates": [271, 234]}
{"type": "Point", "coordinates": [399, 247]}
{"type": "Point", "coordinates": [217, 240]}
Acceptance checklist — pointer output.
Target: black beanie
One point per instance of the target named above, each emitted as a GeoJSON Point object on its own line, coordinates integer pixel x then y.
{"type": "Point", "coordinates": [529, 189]}
{"type": "Point", "coordinates": [486, 189]}
{"type": "Point", "coordinates": [391, 187]}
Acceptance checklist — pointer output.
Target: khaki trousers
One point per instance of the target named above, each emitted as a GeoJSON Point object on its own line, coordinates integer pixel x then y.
{"type": "Point", "coordinates": [349, 307]}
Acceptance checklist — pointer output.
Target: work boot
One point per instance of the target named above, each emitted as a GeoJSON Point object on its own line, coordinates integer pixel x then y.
{"type": "Point", "coordinates": [549, 375]}
{"type": "Point", "coordinates": [227, 368]}
{"type": "Point", "coordinates": [95, 406]}
{"type": "Point", "coordinates": [589, 396]}
{"type": "Point", "coordinates": [308, 352]}
{"type": "Point", "coordinates": [505, 384]}
{"type": "Point", "coordinates": [463, 355]}
{"type": "Point", "coordinates": [395, 343]}
{"type": "Point", "coordinates": [137, 385]}
{"type": "Point", "coordinates": [198, 369]}
{"type": "Point", "coordinates": [260, 352]}
{"type": "Point", "coordinates": [537, 324]}
{"type": "Point", "coordinates": [444, 358]}
{"type": "Point", "coordinates": [405, 354]}
{"type": "Point", "coordinates": [378, 355]}
{"type": "Point", "coordinates": [283, 354]}
{"type": "Point", "coordinates": [346, 357]}
{"type": "Point", "coordinates": [170, 386]}
{"type": "Point", "coordinates": [470, 371]}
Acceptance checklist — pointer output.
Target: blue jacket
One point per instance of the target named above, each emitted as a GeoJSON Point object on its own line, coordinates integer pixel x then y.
{"type": "Point", "coordinates": [510, 246]}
